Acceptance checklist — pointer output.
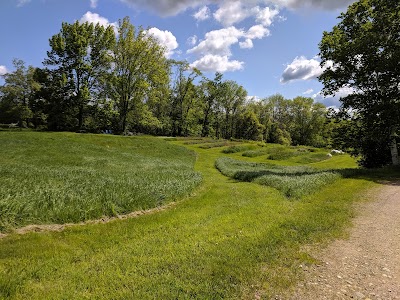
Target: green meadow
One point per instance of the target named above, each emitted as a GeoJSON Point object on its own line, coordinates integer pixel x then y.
{"type": "Point", "coordinates": [66, 177]}
{"type": "Point", "coordinates": [227, 236]}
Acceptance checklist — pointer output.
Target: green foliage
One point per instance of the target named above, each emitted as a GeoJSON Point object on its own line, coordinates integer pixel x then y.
{"type": "Point", "coordinates": [16, 95]}
{"type": "Point", "coordinates": [362, 55]}
{"type": "Point", "coordinates": [281, 153]}
{"type": "Point", "coordinates": [216, 145]}
{"type": "Point", "coordinates": [81, 57]}
{"type": "Point", "coordinates": [238, 148]}
{"type": "Point", "coordinates": [61, 178]}
{"type": "Point", "coordinates": [369, 143]}
{"type": "Point", "coordinates": [292, 181]}
{"type": "Point", "coordinates": [254, 153]}
{"type": "Point", "coordinates": [96, 80]}
{"type": "Point", "coordinates": [139, 67]}
{"type": "Point", "coordinates": [249, 127]}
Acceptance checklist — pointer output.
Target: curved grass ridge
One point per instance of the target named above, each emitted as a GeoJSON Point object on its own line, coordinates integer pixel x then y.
{"type": "Point", "coordinates": [292, 181]}
{"type": "Point", "coordinates": [61, 178]}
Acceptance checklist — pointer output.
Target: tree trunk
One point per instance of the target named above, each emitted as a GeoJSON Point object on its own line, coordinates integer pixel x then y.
{"type": "Point", "coordinates": [394, 152]}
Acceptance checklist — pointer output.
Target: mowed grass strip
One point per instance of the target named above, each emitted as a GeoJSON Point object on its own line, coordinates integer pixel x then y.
{"type": "Point", "coordinates": [232, 240]}
{"type": "Point", "coordinates": [292, 181]}
{"type": "Point", "coordinates": [66, 177]}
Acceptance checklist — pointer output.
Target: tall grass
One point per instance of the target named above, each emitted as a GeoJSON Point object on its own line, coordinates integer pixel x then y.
{"type": "Point", "coordinates": [230, 240]}
{"type": "Point", "coordinates": [63, 177]}
{"type": "Point", "coordinates": [292, 181]}
{"type": "Point", "coordinates": [238, 148]}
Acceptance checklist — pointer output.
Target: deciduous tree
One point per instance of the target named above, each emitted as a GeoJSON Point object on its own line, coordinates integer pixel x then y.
{"type": "Point", "coordinates": [362, 53]}
{"type": "Point", "coordinates": [81, 54]}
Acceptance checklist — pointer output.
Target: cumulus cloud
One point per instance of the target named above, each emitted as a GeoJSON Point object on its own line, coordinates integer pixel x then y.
{"type": "Point", "coordinates": [247, 44]}
{"type": "Point", "coordinates": [319, 4]}
{"type": "Point", "coordinates": [174, 7]}
{"type": "Point", "coordinates": [96, 18]}
{"type": "Point", "coordinates": [257, 32]}
{"type": "Point", "coordinates": [218, 42]}
{"type": "Point", "coordinates": [202, 14]}
{"type": "Point", "coordinates": [266, 15]}
{"type": "Point", "coordinates": [166, 39]}
{"type": "Point", "coordinates": [301, 68]}
{"type": "Point", "coordinates": [93, 3]}
{"type": "Point", "coordinates": [217, 63]}
{"type": "Point", "coordinates": [167, 7]}
{"type": "Point", "coordinates": [231, 12]}
{"type": "Point", "coordinates": [333, 101]}
{"type": "Point", "coordinates": [3, 70]}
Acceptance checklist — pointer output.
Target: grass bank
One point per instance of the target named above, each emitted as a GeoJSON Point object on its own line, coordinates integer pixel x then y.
{"type": "Point", "coordinates": [231, 240]}
{"type": "Point", "coordinates": [64, 177]}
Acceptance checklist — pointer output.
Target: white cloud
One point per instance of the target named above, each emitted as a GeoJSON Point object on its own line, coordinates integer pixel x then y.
{"type": "Point", "coordinates": [167, 7]}
{"type": "Point", "coordinates": [301, 68]}
{"type": "Point", "coordinates": [218, 42]}
{"type": "Point", "coordinates": [22, 2]}
{"type": "Point", "coordinates": [174, 7]}
{"type": "Point", "coordinates": [308, 92]}
{"type": "Point", "coordinates": [253, 99]}
{"type": "Point", "coordinates": [166, 39]}
{"type": "Point", "coordinates": [257, 32]}
{"type": "Point", "coordinates": [266, 15]}
{"type": "Point", "coordinates": [217, 63]}
{"type": "Point", "coordinates": [318, 4]}
{"type": "Point", "coordinates": [191, 41]}
{"type": "Point", "coordinates": [333, 101]}
{"type": "Point", "coordinates": [202, 14]}
{"type": "Point", "coordinates": [247, 44]}
{"type": "Point", "coordinates": [231, 12]}
{"type": "Point", "coordinates": [96, 18]}
{"type": "Point", "coordinates": [93, 3]}
{"type": "Point", "coordinates": [3, 70]}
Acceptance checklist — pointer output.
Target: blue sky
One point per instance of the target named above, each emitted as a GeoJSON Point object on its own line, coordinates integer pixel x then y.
{"type": "Point", "coordinates": [268, 46]}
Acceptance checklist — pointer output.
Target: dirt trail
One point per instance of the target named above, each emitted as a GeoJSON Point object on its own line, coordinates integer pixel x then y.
{"type": "Point", "coordinates": [367, 264]}
{"type": "Point", "coordinates": [103, 220]}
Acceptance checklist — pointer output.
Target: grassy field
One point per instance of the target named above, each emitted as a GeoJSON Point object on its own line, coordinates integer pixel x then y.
{"type": "Point", "coordinates": [231, 240]}
{"type": "Point", "coordinates": [63, 177]}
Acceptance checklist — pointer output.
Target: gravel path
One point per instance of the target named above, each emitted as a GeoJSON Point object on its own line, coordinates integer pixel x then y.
{"type": "Point", "coordinates": [367, 264]}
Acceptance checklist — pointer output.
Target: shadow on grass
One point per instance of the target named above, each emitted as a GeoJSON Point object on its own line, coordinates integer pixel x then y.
{"type": "Point", "coordinates": [386, 176]}
{"type": "Point", "coordinates": [297, 181]}
{"type": "Point", "coordinates": [253, 175]}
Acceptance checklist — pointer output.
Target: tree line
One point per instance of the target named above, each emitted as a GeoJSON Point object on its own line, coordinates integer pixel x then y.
{"type": "Point", "coordinates": [97, 80]}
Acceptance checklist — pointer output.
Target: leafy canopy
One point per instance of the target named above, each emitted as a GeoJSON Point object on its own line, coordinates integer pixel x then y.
{"type": "Point", "coordinates": [362, 54]}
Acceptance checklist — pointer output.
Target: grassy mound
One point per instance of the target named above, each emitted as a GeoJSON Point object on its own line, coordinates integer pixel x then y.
{"type": "Point", "coordinates": [64, 177]}
{"type": "Point", "coordinates": [292, 181]}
